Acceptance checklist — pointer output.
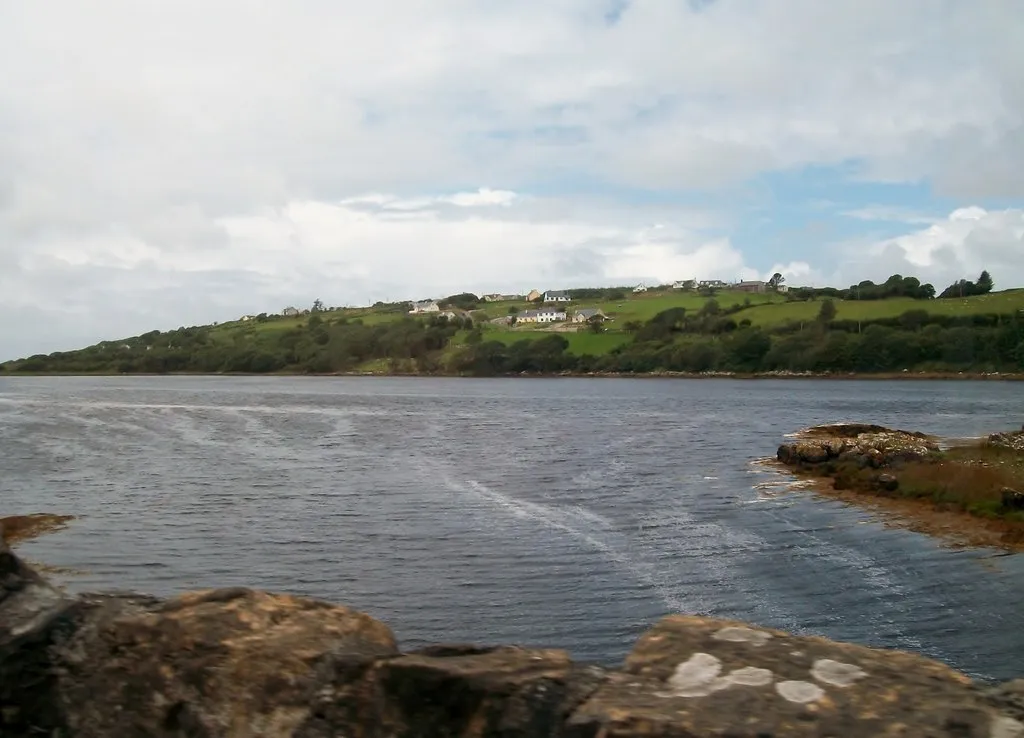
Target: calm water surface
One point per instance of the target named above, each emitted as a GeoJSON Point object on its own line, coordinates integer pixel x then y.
{"type": "Point", "coordinates": [564, 512]}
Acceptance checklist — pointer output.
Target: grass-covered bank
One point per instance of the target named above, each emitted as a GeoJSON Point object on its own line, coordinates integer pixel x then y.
{"type": "Point", "coordinates": [978, 484]}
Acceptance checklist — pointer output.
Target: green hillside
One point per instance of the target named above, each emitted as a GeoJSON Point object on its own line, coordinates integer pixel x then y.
{"type": "Point", "coordinates": [1006, 302]}
{"type": "Point", "coordinates": [661, 329]}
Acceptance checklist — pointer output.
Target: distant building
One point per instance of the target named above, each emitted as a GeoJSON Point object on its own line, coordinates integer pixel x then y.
{"type": "Point", "coordinates": [585, 315]}
{"type": "Point", "coordinates": [640, 288]}
{"type": "Point", "coordinates": [247, 318]}
{"type": "Point", "coordinates": [782, 288]}
{"type": "Point", "coordinates": [686, 284]}
{"type": "Point", "coordinates": [425, 306]}
{"type": "Point", "coordinates": [711, 284]}
{"type": "Point", "coordinates": [290, 312]}
{"type": "Point", "coordinates": [751, 286]}
{"type": "Point", "coordinates": [503, 298]}
{"type": "Point", "coordinates": [557, 296]}
{"type": "Point", "coordinates": [533, 295]}
{"type": "Point", "coordinates": [544, 315]}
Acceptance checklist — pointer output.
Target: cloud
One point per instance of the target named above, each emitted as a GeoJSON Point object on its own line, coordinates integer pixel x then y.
{"type": "Point", "coordinates": [958, 246]}
{"type": "Point", "coordinates": [890, 214]}
{"type": "Point", "coordinates": [355, 251]}
{"type": "Point", "coordinates": [195, 160]}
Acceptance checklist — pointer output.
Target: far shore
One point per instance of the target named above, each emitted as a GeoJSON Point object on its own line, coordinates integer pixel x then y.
{"type": "Point", "coordinates": [880, 376]}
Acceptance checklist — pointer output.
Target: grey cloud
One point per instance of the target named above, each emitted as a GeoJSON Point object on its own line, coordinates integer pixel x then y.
{"type": "Point", "coordinates": [128, 125]}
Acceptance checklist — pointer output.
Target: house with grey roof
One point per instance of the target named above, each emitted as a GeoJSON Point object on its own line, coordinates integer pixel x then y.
{"type": "Point", "coordinates": [585, 315]}
{"type": "Point", "coordinates": [557, 296]}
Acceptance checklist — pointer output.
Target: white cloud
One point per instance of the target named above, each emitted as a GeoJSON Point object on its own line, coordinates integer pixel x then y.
{"type": "Point", "coordinates": [888, 213]}
{"type": "Point", "coordinates": [195, 160]}
{"type": "Point", "coordinates": [958, 246]}
{"type": "Point", "coordinates": [356, 251]}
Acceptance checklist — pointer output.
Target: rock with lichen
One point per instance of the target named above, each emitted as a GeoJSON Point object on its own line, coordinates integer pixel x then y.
{"type": "Point", "coordinates": [695, 676]}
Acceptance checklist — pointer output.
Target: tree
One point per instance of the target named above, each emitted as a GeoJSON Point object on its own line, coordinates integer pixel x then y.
{"type": "Point", "coordinates": [984, 284]}
{"type": "Point", "coordinates": [513, 310]}
{"type": "Point", "coordinates": [711, 307]}
{"type": "Point", "coordinates": [318, 306]}
{"type": "Point", "coordinates": [464, 300]}
{"type": "Point", "coordinates": [827, 311]}
{"type": "Point", "coordinates": [596, 324]}
{"type": "Point", "coordinates": [776, 281]}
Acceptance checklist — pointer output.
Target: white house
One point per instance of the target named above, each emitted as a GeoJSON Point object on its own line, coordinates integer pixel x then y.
{"type": "Point", "coordinates": [640, 288]}
{"type": "Point", "coordinates": [557, 296]}
{"type": "Point", "coordinates": [544, 315]}
{"type": "Point", "coordinates": [290, 312]}
{"type": "Point", "coordinates": [685, 284]}
{"type": "Point", "coordinates": [425, 306]}
{"type": "Point", "coordinates": [782, 288]}
{"type": "Point", "coordinates": [247, 318]}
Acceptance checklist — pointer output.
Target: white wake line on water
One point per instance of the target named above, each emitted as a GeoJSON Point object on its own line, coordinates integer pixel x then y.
{"type": "Point", "coordinates": [874, 574]}
{"type": "Point", "coordinates": [616, 546]}
{"type": "Point", "coordinates": [560, 520]}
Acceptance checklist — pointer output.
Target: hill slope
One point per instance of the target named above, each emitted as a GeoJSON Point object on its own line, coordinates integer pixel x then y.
{"type": "Point", "coordinates": [656, 330]}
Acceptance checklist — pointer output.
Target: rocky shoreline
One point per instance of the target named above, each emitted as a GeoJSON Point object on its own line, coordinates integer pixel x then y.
{"type": "Point", "coordinates": [239, 662]}
{"type": "Point", "coordinates": [971, 493]}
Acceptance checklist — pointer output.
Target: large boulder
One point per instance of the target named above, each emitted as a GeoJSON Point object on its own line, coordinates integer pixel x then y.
{"type": "Point", "coordinates": [226, 662]}
{"type": "Point", "coordinates": [33, 616]}
{"type": "Point", "coordinates": [457, 691]}
{"type": "Point", "coordinates": [697, 677]}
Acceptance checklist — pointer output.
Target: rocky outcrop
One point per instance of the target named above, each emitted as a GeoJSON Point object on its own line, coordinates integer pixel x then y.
{"type": "Point", "coordinates": [23, 527]}
{"type": "Point", "coordinates": [864, 445]}
{"type": "Point", "coordinates": [239, 663]}
{"type": "Point", "coordinates": [1013, 441]}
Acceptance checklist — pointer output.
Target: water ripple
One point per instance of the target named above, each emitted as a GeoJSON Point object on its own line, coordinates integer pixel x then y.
{"type": "Point", "coordinates": [568, 513]}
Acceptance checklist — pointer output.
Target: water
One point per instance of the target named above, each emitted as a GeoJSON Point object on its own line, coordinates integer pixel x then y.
{"type": "Point", "coordinates": [563, 512]}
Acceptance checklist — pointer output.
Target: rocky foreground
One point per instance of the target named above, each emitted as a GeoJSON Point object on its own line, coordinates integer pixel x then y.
{"type": "Point", "coordinates": [239, 663]}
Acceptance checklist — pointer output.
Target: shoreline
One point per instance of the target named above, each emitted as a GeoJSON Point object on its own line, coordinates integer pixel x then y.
{"type": "Point", "coordinates": [881, 376]}
{"type": "Point", "coordinates": [954, 529]}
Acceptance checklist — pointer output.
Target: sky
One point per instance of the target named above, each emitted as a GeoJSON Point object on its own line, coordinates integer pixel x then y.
{"type": "Point", "coordinates": [167, 164]}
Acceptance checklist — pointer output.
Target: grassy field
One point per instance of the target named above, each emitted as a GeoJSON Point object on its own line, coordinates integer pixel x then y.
{"type": "Point", "coordinates": [646, 305]}
{"type": "Point", "coordinates": [1008, 301]}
